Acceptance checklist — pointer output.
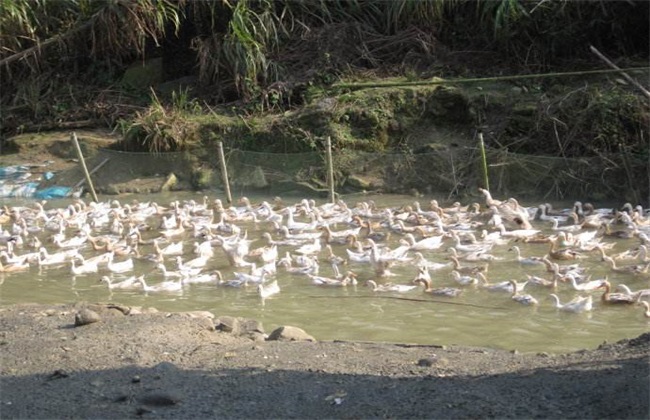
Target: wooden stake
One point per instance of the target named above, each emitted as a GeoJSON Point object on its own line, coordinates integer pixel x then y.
{"type": "Point", "coordinates": [625, 75]}
{"type": "Point", "coordinates": [330, 171]}
{"type": "Point", "coordinates": [73, 136]}
{"type": "Point", "coordinates": [78, 184]}
{"type": "Point", "coordinates": [484, 161]}
{"type": "Point", "coordinates": [224, 172]}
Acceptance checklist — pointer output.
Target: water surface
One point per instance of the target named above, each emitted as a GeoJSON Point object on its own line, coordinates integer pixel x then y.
{"type": "Point", "coordinates": [476, 318]}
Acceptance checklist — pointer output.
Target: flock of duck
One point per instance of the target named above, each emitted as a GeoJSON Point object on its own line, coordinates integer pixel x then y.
{"type": "Point", "coordinates": [447, 249]}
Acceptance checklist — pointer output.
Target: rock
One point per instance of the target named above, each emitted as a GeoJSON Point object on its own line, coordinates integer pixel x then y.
{"type": "Point", "coordinates": [228, 324]}
{"type": "Point", "coordinates": [355, 181]}
{"type": "Point", "coordinates": [289, 333]}
{"type": "Point", "coordinates": [160, 399]}
{"type": "Point", "coordinates": [196, 314]}
{"type": "Point", "coordinates": [252, 328]}
{"type": "Point", "coordinates": [169, 183]}
{"type": "Point", "coordinates": [85, 317]}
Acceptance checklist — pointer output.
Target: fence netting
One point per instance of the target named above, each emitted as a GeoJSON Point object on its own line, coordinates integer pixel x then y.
{"type": "Point", "coordinates": [448, 172]}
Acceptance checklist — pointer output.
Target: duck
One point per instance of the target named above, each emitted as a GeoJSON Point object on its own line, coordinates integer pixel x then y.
{"type": "Point", "coordinates": [440, 291]}
{"type": "Point", "coordinates": [312, 268]}
{"type": "Point", "coordinates": [58, 258]}
{"type": "Point", "coordinates": [638, 294]}
{"type": "Point", "coordinates": [586, 286]}
{"type": "Point", "coordinates": [522, 298]}
{"type": "Point", "coordinates": [349, 278]}
{"type": "Point", "coordinates": [84, 268]}
{"type": "Point", "coordinates": [639, 253]}
{"type": "Point", "coordinates": [466, 269]}
{"type": "Point", "coordinates": [129, 283]}
{"type": "Point", "coordinates": [198, 262]}
{"type": "Point", "coordinates": [253, 276]}
{"type": "Point", "coordinates": [311, 248]}
{"type": "Point", "coordinates": [509, 286]}
{"type": "Point", "coordinates": [517, 233]}
{"type": "Point", "coordinates": [214, 277]}
{"type": "Point", "coordinates": [474, 255]}
{"type": "Point", "coordinates": [165, 286]}
{"type": "Point", "coordinates": [267, 290]}
{"type": "Point", "coordinates": [15, 267]}
{"type": "Point", "coordinates": [332, 257]}
{"type": "Point", "coordinates": [555, 226]}
{"type": "Point", "coordinates": [540, 281]}
{"type": "Point", "coordinates": [426, 244]}
{"type": "Point", "coordinates": [576, 305]}
{"type": "Point", "coordinates": [464, 280]}
{"type": "Point", "coordinates": [615, 298]}
{"type": "Point", "coordinates": [419, 260]}
{"type": "Point", "coordinates": [526, 260]}
{"type": "Point", "coordinates": [173, 274]}
{"type": "Point", "coordinates": [635, 269]}
{"type": "Point", "coordinates": [174, 248]}
{"type": "Point", "coordinates": [561, 253]}
{"type": "Point", "coordinates": [119, 267]}
{"type": "Point", "coordinates": [389, 287]}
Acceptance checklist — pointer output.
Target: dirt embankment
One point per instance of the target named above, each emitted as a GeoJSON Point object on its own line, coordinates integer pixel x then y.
{"type": "Point", "coordinates": [161, 365]}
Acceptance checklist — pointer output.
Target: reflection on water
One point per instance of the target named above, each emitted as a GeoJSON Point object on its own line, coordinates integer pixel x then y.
{"type": "Point", "coordinates": [477, 317]}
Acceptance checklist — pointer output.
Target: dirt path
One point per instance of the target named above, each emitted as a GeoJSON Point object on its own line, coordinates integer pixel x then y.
{"type": "Point", "coordinates": [161, 365]}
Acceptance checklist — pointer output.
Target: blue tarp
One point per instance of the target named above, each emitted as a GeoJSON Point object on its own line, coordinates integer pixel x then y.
{"type": "Point", "coordinates": [53, 192]}
{"type": "Point", "coordinates": [15, 182]}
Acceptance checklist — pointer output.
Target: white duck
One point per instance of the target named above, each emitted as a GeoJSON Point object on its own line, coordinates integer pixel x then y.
{"type": "Point", "coordinates": [349, 278]}
{"type": "Point", "coordinates": [121, 266]}
{"type": "Point", "coordinates": [464, 280]}
{"type": "Point", "coordinates": [165, 286]}
{"type": "Point", "coordinates": [430, 243]}
{"type": "Point", "coordinates": [526, 260]}
{"type": "Point", "coordinates": [586, 286]}
{"type": "Point", "coordinates": [439, 291]}
{"type": "Point", "coordinates": [174, 248]}
{"type": "Point", "coordinates": [266, 290]}
{"type": "Point", "coordinates": [638, 294]}
{"type": "Point", "coordinates": [198, 262]}
{"type": "Point", "coordinates": [522, 298]}
{"type": "Point", "coordinates": [311, 248]}
{"type": "Point", "coordinates": [214, 277]}
{"type": "Point", "coordinates": [129, 283]}
{"type": "Point", "coordinates": [576, 305]}
{"type": "Point", "coordinates": [84, 268]}
{"type": "Point", "coordinates": [389, 287]}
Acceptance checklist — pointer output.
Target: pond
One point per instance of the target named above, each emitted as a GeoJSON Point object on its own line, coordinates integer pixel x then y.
{"type": "Point", "coordinates": [476, 317]}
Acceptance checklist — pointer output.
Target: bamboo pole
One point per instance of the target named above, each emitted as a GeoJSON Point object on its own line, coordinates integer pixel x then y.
{"type": "Point", "coordinates": [478, 80]}
{"type": "Point", "coordinates": [224, 172]}
{"type": "Point", "coordinates": [484, 161]}
{"type": "Point", "coordinates": [75, 141]}
{"type": "Point", "coordinates": [621, 71]}
{"type": "Point", "coordinates": [330, 171]}
{"type": "Point", "coordinates": [78, 184]}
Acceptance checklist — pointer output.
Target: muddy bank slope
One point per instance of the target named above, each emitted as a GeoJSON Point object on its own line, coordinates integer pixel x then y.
{"type": "Point", "coordinates": [162, 365]}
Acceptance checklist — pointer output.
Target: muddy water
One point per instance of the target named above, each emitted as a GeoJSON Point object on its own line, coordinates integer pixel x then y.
{"type": "Point", "coordinates": [477, 317]}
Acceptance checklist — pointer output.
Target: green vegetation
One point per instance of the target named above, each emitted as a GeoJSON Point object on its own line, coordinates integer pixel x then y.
{"type": "Point", "coordinates": [261, 75]}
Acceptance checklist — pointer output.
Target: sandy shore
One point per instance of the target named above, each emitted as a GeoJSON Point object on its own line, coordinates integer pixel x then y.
{"type": "Point", "coordinates": [163, 365]}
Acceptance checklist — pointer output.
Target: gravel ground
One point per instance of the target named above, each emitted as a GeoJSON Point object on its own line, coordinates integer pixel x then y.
{"type": "Point", "coordinates": [143, 363]}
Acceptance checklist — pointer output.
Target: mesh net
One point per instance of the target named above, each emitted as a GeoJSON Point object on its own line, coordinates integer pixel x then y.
{"type": "Point", "coordinates": [450, 171]}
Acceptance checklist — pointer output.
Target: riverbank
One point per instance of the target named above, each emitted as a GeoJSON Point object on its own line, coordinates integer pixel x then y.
{"type": "Point", "coordinates": [168, 365]}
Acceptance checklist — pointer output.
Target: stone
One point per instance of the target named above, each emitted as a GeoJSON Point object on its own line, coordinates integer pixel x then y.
{"type": "Point", "coordinates": [227, 324]}
{"type": "Point", "coordinates": [289, 333]}
{"type": "Point", "coordinates": [355, 181]}
{"type": "Point", "coordinates": [170, 182]}
{"type": "Point", "coordinates": [85, 317]}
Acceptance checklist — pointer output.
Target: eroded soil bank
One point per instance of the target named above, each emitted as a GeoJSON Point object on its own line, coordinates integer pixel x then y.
{"type": "Point", "coordinates": [161, 365]}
